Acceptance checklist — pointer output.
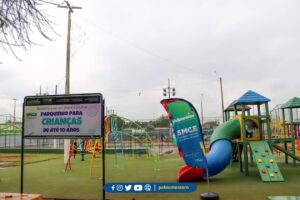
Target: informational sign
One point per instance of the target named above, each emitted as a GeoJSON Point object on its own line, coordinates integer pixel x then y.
{"type": "Point", "coordinates": [65, 116]}
{"type": "Point", "coordinates": [187, 130]}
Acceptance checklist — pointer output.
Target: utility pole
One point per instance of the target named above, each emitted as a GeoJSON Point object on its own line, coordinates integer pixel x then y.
{"type": "Point", "coordinates": [56, 85]}
{"type": "Point", "coordinates": [202, 121]}
{"type": "Point", "coordinates": [169, 90]}
{"type": "Point", "coordinates": [55, 89]}
{"type": "Point", "coordinates": [70, 11]}
{"type": "Point", "coordinates": [67, 83]}
{"type": "Point", "coordinates": [222, 98]}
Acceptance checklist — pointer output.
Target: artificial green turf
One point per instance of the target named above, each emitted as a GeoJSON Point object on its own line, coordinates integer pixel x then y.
{"type": "Point", "coordinates": [49, 178]}
{"type": "Point", "coordinates": [15, 159]}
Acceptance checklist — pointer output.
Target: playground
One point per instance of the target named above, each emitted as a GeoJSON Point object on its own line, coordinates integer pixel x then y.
{"type": "Point", "coordinates": [254, 154]}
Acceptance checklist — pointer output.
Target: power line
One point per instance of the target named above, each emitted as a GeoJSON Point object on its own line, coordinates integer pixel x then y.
{"type": "Point", "coordinates": [143, 49]}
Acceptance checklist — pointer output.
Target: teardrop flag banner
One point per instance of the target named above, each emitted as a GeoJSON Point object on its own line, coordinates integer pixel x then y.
{"type": "Point", "coordinates": [187, 129]}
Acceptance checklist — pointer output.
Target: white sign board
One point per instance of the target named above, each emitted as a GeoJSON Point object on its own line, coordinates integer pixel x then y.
{"type": "Point", "coordinates": [65, 116]}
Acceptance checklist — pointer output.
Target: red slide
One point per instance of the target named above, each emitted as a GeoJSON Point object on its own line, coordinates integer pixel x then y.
{"type": "Point", "coordinates": [187, 174]}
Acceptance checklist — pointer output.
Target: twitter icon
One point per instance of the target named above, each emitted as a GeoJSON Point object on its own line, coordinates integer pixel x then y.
{"type": "Point", "coordinates": [127, 187]}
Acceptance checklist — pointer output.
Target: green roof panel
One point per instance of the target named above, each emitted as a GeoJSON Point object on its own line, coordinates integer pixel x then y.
{"type": "Point", "coordinates": [292, 103]}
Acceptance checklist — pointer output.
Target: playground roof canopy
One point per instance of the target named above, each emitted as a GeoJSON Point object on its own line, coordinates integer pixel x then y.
{"type": "Point", "coordinates": [238, 107]}
{"type": "Point", "coordinates": [251, 97]}
{"type": "Point", "coordinates": [292, 103]}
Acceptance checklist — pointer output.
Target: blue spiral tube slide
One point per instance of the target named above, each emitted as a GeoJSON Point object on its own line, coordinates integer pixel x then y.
{"type": "Point", "coordinates": [219, 155]}
{"type": "Point", "coordinates": [220, 152]}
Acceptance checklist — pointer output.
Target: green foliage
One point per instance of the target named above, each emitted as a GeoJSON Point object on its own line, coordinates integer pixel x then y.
{"type": "Point", "coordinates": [162, 121]}
{"type": "Point", "coordinates": [122, 123]}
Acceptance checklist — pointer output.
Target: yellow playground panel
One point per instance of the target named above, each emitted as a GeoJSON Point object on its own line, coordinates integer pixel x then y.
{"type": "Point", "coordinates": [95, 146]}
{"type": "Point", "coordinates": [252, 126]}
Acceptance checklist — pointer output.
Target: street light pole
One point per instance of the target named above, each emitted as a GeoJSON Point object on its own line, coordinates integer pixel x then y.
{"type": "Point", "coordinates": [168, 91]}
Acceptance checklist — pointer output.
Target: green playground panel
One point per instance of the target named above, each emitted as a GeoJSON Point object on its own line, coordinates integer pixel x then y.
{"type": "Point", "coordinates": [267, 167]}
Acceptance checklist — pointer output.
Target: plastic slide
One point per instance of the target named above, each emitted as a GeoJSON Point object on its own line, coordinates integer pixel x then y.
{"type": "Point", "coordinates": [219, 155]}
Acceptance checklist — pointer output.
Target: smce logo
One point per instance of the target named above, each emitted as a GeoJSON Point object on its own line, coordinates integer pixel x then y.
{"type": "Point", "coordinates": [137, 188]}
{"type": "Point", "coordinates": [184, 131]}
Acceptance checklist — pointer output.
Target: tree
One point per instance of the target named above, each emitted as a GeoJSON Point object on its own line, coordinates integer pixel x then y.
{"type": "Point", "coordinates": [162, 121]}
{"type": "Point", "coordinates": [18, 20]}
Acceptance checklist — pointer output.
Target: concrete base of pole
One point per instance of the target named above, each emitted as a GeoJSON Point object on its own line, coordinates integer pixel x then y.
{"type": "Point", "coordinates": [209, 196]}
{"type": "Point", "coordinates": [54, 143]}
{"type": "Point", "coordinates": [66, 150]}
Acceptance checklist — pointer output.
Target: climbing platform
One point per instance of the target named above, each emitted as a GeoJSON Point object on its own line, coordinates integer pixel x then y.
{"type": "Point", "coordinates": [267, 167]}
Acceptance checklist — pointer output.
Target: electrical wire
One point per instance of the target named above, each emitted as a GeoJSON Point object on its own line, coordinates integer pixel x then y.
{"type": "Point", "coordinates": [143, 49]}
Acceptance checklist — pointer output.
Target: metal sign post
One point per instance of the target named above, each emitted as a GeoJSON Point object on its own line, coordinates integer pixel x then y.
{"type": "Point", "coordinates": [103, 154]}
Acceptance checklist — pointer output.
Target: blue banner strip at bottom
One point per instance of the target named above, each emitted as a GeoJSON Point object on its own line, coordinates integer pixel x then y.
{"type": "Point", "coordinates": [149, 187]}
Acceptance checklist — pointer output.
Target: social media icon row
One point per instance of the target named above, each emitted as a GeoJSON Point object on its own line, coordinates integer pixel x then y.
{"type": "Point", "coordinates": [127, 188]}
{"type": "Point", "coordinates": [149, 187]}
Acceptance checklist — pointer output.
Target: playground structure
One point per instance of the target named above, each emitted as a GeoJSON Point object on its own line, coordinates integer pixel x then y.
{"type": "Point", "coordinates": [129, 137]}
{"type": "Point", "coordinates": [122, 136]}
{"type": "Point", "coordinates": [9, 129]}
{"type": "Point", "coordinates": [91, 146]}
{"type": "Point", "coordinates": [286, 126]}
{"type": "Point", "coordinates": [281, 141]}
{"type": "Point", "coordinates": [247, 136]}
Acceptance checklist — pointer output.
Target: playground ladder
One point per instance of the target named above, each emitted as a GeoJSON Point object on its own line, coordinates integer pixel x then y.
{"type": "Point", "coordinates": [267, 167]}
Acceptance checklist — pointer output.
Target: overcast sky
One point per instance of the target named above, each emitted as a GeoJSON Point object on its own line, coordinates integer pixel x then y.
{"type": "Point", "coordinates": [127, 50]}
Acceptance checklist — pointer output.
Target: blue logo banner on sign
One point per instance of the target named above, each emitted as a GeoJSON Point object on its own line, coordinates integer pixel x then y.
{"type": "Point", "coordinates": [150, 187]}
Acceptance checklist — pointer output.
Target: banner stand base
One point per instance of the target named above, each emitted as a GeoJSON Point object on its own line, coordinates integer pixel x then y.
{"type": "Point", "coordinates": [209, 196]}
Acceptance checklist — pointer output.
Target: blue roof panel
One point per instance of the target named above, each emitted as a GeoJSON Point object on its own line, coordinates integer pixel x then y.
{"type": "Point", "coordinates": [252, 97]}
